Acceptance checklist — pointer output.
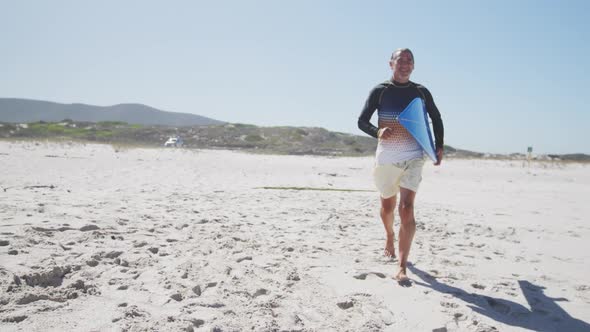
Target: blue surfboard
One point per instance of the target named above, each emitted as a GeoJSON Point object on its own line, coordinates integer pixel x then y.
{"type": "Point", "coordinates": [415, 119]}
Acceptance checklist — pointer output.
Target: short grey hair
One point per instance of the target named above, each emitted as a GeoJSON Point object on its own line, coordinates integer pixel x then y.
{"type": "Point", "coordinates": [399, 52]}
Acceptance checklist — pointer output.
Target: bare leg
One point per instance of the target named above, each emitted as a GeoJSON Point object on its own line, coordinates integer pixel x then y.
{"type": "Point", "coordinates": [387, 208]}
{"type": "Point", "coordinates": [406, 230]}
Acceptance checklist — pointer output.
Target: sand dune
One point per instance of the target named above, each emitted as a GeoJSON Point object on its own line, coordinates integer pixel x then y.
{"type": "Point", "coordinates": [98, 239]}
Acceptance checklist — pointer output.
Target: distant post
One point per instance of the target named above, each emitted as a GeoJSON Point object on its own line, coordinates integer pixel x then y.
{"type": "Point", "coordinates": [529, 154]}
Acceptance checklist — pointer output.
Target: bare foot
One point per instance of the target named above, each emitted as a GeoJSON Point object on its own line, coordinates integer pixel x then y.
{"type": "Point", "coordinates": [401, 276]}
{"type": "Point", "coordinates": [389, 246]}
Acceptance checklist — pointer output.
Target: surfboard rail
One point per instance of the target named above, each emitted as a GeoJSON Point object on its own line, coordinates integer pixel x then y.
{"type": "Point", "coordinates": [415, 119]}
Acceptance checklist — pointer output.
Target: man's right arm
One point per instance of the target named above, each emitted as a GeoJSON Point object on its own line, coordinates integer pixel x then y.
{"type": "Point", "coordinates": [364, 121]}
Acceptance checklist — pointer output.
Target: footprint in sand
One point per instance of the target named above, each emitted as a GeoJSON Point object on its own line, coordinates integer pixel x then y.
{"type": "Point", "coordinates": [449, 305]}
{"type": "Point", "coordinates": [345, 305]}
{"type": "Point", "coordinates": [363, 276]}
{"type": "Point", "coordinates": [176, 297]}
{"type": "Point", "coordinates": [260, 292]}
{"type": "Point", "coordinates": [92, 263]}
{"type": "Point", "coordinates": [140, 244]}
{"type": "Point", "coordinates": [197, 290]}
{"type": "Point", "coordinates": [239, 260]}
{"type": "Point", "coordinates": [293, 275]}
{"type": "Point", "coordinates": [15, 319]}
{"type": "Point", "coordinates": [197, 322]}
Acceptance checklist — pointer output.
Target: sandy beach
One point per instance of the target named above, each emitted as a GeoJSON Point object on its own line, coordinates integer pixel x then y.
{"type": "Point", "coordinates": [97, 238]}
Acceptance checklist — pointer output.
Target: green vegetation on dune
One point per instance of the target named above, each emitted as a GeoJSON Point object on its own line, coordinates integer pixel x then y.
{"type": "Point", "coordinates": [54, 129]}
{"type": "Point", "coordinates": [266, 140]}
{"type": "Point", "coordinates": [103, 133]}
{"type": "Point", "coordinates": [68, 129]}
{"type": "Point", "coordinates": [112, 123]}
{"type": "Point", "coordinates": [273, 140]}
{"type": "Point", "coordinates": [253, 138]}
{"type": "Point", "coordinates": [243, 125]}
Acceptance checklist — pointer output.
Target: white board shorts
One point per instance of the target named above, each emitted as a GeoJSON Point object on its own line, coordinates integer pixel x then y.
{"type": "Point", "coordinates": [390, 177]}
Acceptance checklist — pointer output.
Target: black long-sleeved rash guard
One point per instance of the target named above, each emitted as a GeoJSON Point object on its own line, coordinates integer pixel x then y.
{"type": "Point", "coordinates": [397, 96]}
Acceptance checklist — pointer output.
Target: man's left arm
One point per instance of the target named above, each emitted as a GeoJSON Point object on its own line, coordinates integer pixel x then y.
{"type": "Point", "coordinates": [437, 125]}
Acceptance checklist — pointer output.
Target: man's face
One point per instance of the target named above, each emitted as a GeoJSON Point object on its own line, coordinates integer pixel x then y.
{"type": "Point", "coordinates": [402, 66]}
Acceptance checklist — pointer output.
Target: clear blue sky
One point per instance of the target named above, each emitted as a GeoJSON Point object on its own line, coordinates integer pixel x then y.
{"type": "Point", "coordinates": [505, 74]}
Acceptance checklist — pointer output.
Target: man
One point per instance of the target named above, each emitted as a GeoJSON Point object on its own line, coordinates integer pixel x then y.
{"type": "Point", "coordinates": [399, 157]}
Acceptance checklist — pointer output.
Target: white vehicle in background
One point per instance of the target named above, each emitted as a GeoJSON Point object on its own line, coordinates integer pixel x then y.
{"type": "Point", "coordinates": [174, 141]}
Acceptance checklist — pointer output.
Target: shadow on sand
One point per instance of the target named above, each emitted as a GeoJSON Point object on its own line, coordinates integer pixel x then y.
{"type": "Point", "coordinates": [544, 313]}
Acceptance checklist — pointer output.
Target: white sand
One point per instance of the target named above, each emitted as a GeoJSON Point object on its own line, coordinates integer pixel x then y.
{"type": "Point", "coordinates": [169, 240]}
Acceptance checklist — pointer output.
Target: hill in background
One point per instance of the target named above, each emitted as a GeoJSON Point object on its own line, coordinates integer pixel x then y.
{"type": "Point", "coordinates": [13, 110]}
